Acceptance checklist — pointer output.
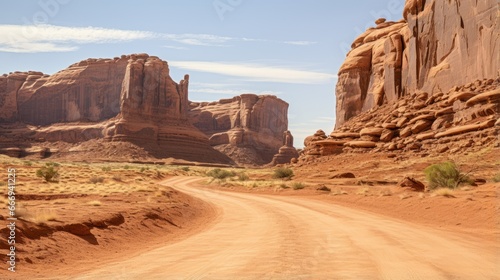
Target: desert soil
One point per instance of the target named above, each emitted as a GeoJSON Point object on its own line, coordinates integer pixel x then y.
{"type": "Point", "coordinates": [285, 237]}
{"type": "Point", "coordinates": [177, 225]}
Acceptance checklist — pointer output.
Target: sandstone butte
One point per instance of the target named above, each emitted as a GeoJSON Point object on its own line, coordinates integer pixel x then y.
{"type": "Point", "coordinates": [426, 84]}
{"type": "Point", "coordinates": [248, 128]}
{"type": "Point", "coordinates": [95, 106]}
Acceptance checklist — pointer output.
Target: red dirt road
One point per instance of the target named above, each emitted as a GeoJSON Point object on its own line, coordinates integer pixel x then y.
{"type": "Point", "coordinates": [271, 237]}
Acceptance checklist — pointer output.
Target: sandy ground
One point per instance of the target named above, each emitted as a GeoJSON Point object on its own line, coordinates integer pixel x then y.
{"type": "Point", "coordinates": [282, 237]}
{"type": "Point", "coordinates": [176, 225]}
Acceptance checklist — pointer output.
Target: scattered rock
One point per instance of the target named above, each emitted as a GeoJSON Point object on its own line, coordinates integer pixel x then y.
{"type": "Point", "coordinates": [413, 184]}
{"type": "Point", "coordinates": [343, 175]}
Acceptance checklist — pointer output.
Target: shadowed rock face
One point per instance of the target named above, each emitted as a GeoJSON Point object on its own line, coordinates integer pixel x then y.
{"type": "Point", "coordinates": [248, 127]}
{"type": "Point", "coordinates": [132, 98]}
{"type": "Point", "coordinates": [439, 44]}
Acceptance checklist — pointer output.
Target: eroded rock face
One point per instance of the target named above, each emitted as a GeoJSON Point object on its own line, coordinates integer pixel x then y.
{"type": "Point", "coordinates": [428, 84]}
{"type": "Point", "coordinates": [245, 127]}
{"type": "Point", "coordinates": [132, 98]}
{"type": "Point", "coordinates": [438, 45]}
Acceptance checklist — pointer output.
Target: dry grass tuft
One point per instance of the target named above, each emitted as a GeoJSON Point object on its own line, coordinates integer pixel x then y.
{"type": "Point", "coordinates": [404, 196]}
{"type": "Point", "coordinates": [444, 192]}
{"type": "Point", "coordinates": [363, 191]}
{"type": "Point", "coordinates": [94, 203]}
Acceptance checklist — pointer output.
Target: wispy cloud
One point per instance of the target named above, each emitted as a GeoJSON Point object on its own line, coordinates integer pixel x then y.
{"type": "Point", "coordinates": [198, 39]}
{"type": "Point", "coordinates": [300, 43]}
{"type": "Point", "coordinates": [175, 47]}
{"type": "Point", "coordinates": [50, 38]}
{"type": "Point", "coordinates": [257, 72]}
{"type": "Point", "coordinates": [226, 89]}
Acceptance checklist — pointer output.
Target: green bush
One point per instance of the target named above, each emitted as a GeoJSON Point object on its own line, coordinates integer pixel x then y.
{"type": "Point", "coordinates": [106, 168]}
{"type": "Point", "coordinates": [243, 176]}
{"type": "Point", "coordinates": [126, 167]}
{"type": "Point", "coordinates": [283, 173]}
{"type": "Point", "coordinates": [49, 172]}
{"type": "Point", "coordinates": [445, 175]}
{"type": "Point", "coordinates": [496, 178]}
{"type": "Point", "coordinates": [298, 186]}
{"type": "Point", "coordinates": [220, 174]}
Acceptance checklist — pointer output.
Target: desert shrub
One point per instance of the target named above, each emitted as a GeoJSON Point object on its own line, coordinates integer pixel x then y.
{"type": "Point", "coordinates": [283, 173]}
{"type": "Point", "coordinates": [106, 168]}
{"type": "Point", "coordinates": [126, 167]}
{"type": "Point", "coordinates": [220, 174]}
{"type": "Point", "coordinates": [242, 176]}
{"type": "Point", "coordinates": [28, 163]}
{"type": "Point", "coordinates": [445, 175]}
{"type": "Point", "coordinates": [298, 186]}
{"type": "Point", "coordinates": [496, 178]}
{"type": "Point", "coordinates": [49, 172]}
{"type": "Point", "coordinates": [96, 179]}
{"type": "Point", "coordinates": [185, 168]}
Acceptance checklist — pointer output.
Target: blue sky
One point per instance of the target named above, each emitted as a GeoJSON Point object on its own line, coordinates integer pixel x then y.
{"type": "Point", "coordinates": [289, 48]}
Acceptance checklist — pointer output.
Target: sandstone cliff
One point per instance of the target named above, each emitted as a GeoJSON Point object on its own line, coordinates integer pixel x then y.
{"type": "Point", "coordinates": [438, 45]}
{"type": "Point", "coordinates": [249, 128]}
{"type": "Point", "coordinates": [128, 99]}
{"type": "Point", "coordinates": [428, 84]}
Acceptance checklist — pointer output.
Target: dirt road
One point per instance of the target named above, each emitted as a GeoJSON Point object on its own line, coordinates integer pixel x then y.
{"type": "Point", "coordinates": [270, 237]}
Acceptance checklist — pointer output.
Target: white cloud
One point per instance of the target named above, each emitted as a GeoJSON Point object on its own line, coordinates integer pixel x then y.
{"type": "Point", "coordinates": [175, 47]}
{"type": "Point", "coordinates": [300, 43]}
{"type": "Point", "coordinates": [226, 89]}
{"type": "Point", "coordinates": [197, 39]}
{"type": "Point", "coordinates": [50, 38]}
{"type": "Point", "coordinates": [256, 72]}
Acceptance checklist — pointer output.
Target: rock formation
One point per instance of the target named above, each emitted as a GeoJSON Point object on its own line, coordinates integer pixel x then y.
{"type": "Point", "coordinates": [248, 128]}
{"type": "Point", "coordinates": [132, 99]}
{"type": "Point", "coordinates": [287, 152]}
{"type": "Point", "coordinates": [439, 45]}
{"type": "Point", "coordinates": [426, 84]}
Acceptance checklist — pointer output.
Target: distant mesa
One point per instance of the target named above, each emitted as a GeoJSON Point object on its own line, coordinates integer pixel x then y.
{"type": "Point", "coordinates": [248, 128]}
{"type": "Point", "coordinates": [96, 106]}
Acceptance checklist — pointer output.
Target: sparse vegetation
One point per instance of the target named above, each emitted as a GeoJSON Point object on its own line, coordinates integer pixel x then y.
{"type": "Point", "coordinates": [445, 175]}
{"type": "Point", "coordinates": [126, 167]}
{"type": "Point", "coordinates": [185, 168]}
{"type": "Point", "coordinates": [28, 163]}
{"type": "Point", "coordinates": [338, 192]}
{"type": "Point", "coordinates": [443, 192]}
{"type": "Point", "coordinates": [242, 176]}
{"type": "Point", "coordinates": [496, 178]}
{"type": "Point", "coordinates": [95, 203]}
{"type": "Point", "coordinates": [220, 174]}
{"type": "Point", "coordinates": [404, 196]}
{"type": "Point", "coordinates": [49, 172]}
{"type": "Point", "coordinates": [283, 173]}
{"type": "Point", "coordinates": [96, 179]}
{"type": "Point", "coordinates": [106, 169]}
{"type": "Point", "coordinates": [363, 191]}
{"type": "Point", "coordinates": [284, 186]}
{"type": "Point", "coordinates": [298, 186]}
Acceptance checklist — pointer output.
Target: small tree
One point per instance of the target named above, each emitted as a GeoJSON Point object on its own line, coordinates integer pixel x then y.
{"type": "Point", "coordinates": [220, 174]}
{"type": "Point", "coordinates": [49, 172]}
{"type": "Point", "coordinates": [445, 175]}
{"type": "Point", "coordinates": [283, 173]}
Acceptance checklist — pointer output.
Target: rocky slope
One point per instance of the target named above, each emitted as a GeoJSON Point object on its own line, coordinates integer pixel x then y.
{"type": "Point", "coordinates": [129, 99]}
{"type": "Point", "coordinates": [427, 84]}
{"type": "Point", "coordinates": [249, 128]}
{"type": "Point", "coordinates": [438, 45]}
